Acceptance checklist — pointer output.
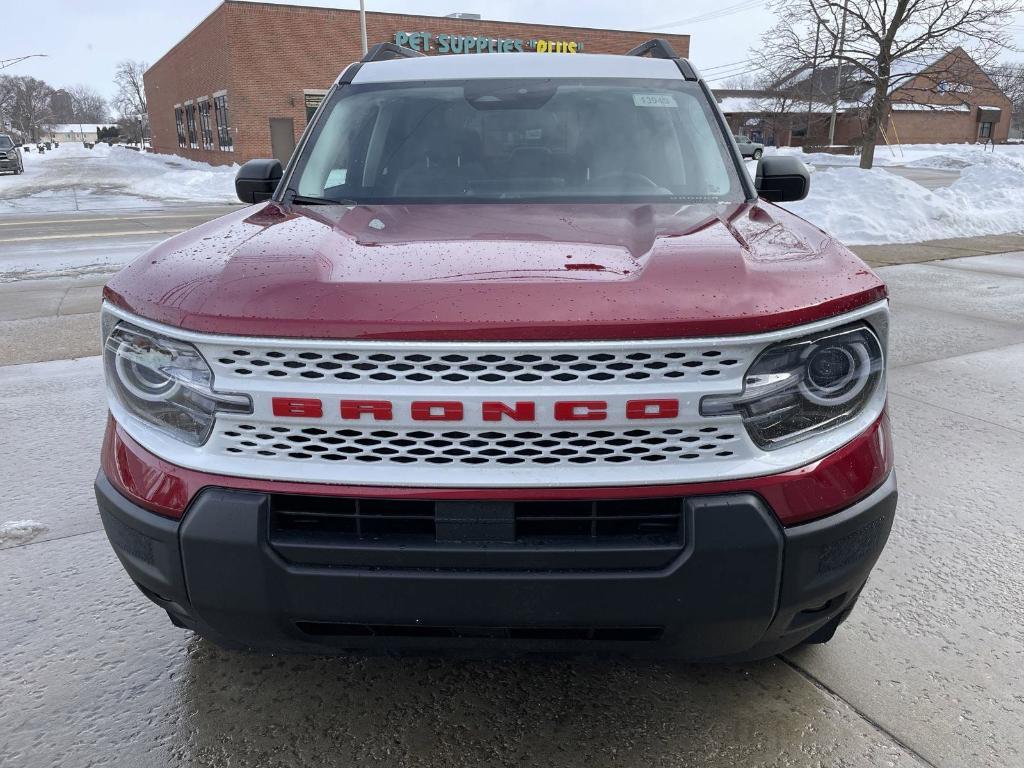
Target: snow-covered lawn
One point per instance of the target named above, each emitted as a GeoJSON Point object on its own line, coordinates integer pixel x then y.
{"type": "Point", "coordinates": [856, 206]}
{"type": "Point", "coordinates": [116, 172]}
{"type": "Point", "coordinates": [876, 206]}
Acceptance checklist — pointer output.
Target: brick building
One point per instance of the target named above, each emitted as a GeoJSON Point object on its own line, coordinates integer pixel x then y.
{"type": "Point", "coordinates": [244, 83]}
{"type": "Point", "coordinates": [945, 101]}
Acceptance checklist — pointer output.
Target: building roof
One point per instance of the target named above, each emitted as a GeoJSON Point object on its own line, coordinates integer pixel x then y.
{"type": "Point", "coordinates": [76, 127]}
{"type": "Point", "coordinates": [497, 65]}
{"type": "Point", "coordinates": [912, 106]}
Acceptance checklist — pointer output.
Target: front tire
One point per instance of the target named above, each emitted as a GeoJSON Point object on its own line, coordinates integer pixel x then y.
{"type": "Point", "coordinates": [757, 154]}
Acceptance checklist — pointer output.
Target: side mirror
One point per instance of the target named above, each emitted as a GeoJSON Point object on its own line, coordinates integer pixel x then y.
{"type": "Point", "coordinates": [782, 178]}
{"type": "Point", "coordinates": [256, 180]}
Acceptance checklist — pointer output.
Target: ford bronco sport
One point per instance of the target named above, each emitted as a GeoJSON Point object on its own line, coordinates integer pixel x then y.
{"type": "Point", "coordinates": [513, 354]}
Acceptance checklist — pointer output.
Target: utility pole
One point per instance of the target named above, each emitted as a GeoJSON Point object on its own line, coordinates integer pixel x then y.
{"type": "Point", "coordinates": [839, 72]}
{"type": "Point", "coordinates": [810, 83]}
{"type": "Point", "coordinates": [362, 24]}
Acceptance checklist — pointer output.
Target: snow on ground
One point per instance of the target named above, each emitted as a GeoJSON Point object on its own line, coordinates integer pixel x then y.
{"type": "Point", "coordinates": [20, 531]}
{"type": "Point", "coordinates": [856, 206]}
{"type": "Point", "coordinates": [114, 171]}
{"type": "Point", "coordinates": [862, 207]}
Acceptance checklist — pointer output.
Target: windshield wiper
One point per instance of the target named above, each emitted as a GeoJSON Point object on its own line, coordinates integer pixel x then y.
{"type": "Point", "coordinates": [309, 200]}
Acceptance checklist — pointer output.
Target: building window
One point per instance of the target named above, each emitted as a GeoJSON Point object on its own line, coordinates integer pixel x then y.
{"type": "Point", "coordinates": [190, 123]}
{"type": "Point", "coordinates": [312, 99]}
{"type": "Point", "coordinates": [220, 107]}
{"type": "Point", "coordinates": [205, 128]}
{"type": "Point", "coordinates": [985, 131]}
{"type": "Point", "coordinates": [179, 122]}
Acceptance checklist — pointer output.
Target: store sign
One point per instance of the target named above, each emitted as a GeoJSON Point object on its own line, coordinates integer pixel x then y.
{"type": "Point", "coordinates": [427, 42]}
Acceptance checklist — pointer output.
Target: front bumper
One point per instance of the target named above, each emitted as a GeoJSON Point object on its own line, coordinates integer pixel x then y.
{"type": "Point", "coordinates": [740, 585]}
{"type": "Point", "coordinates": [9, 164]}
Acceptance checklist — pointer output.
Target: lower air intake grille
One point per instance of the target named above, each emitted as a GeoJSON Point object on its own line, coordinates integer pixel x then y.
{"type": "Point", "coordinates": [647, 521]}
{"type": "Point", "coordinates": [594, 634]}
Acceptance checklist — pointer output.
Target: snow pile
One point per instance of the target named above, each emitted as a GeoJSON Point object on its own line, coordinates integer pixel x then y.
{"type": "Point", "coordinates": [866, 207]}
{"type": "Point", "coordinates": [953, 156]}
{"type": "Point", "coordinates": [20, 531]}
{"type": "Point", "coordinates": [168, 177]}
{"type": "Point", "coordinates": [118, 170]}
{"type": "Point", "coordinates": [860, 207]}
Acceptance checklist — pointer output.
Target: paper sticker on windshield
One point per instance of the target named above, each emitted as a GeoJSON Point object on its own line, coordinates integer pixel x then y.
{"type": "Point", "coordinates": [654, 100]}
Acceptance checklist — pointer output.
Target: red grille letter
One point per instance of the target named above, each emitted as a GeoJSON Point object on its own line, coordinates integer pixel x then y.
{"type": "Point", "coordinates": [652, 409]}
{"type": "Point", "coordinates": [308, 407]}
{"type": "Point", "coordinates": [378, 409]}
{"type": "Point", "coordinates": [437, 410]}
{"type": "Point", "coordinates": [521, 411]}
{"type": "Point", "coordinates": [581, 410]}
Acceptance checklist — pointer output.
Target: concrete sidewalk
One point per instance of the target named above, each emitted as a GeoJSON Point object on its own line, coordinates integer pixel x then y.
{"type": "Point", "coordinates": [934, 250]}
{"type": "Point", "coordinates": [58, 318]}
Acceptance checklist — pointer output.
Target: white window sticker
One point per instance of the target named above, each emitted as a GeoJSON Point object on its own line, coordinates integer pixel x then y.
{"type": "Point", "coordinates": [336, 178]}
{"type": "Point", "coordinates": [654, 100]}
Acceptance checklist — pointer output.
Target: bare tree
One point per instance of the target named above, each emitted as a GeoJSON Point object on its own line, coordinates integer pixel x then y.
{"type": "Point", "coordinates": [744, 82]}
{"type": "Point", "coordinates": [130, 98]}
{"type": "Point", "coordinates": [8, 95]}
{"type": "Point", "coordinates": [885, 43]}
{"type": "Point", "coordinates": [87, 106]}
{"type": "Point", "coordinates": [1010, 79]}
{"type": "Point", "coordinates": [24, 103]}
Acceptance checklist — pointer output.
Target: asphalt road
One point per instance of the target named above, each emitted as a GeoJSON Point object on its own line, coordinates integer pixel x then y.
{"type": "Point", "coordinates": [928, 671]}
{"type": "Point", "coordinates": [73, 243]}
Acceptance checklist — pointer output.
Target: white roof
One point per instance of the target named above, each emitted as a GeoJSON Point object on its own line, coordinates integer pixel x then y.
{"type": "Point", "coordinates": [761, 104]}
{"type": "Point", "coordinates": [508, 65]}
{"type": "Point", "coordinates": [906, 106]}
{"type": "Point", "coordinates": [74, 127]}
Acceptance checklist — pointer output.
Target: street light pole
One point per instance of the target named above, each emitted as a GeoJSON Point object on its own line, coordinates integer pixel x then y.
{"type": "Point", "coordinates": [4, 63]}
{"type": "Point", "coordinates": [839, 72]}
{"type": "Point", "coordinates": [362, 24]}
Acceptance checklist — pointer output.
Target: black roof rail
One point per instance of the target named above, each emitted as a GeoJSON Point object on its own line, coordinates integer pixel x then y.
{"type": "Point", "coordinates": [388, 51]}
{"type": "Point", "coordinates": [659, 48]}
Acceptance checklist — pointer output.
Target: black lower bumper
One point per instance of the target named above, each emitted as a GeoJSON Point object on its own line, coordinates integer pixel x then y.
{"type": "Point", "coordinates": [740, 585]}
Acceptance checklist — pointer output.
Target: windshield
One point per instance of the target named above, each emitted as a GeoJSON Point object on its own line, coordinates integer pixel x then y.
{"type": "Point", "coordinates": [5, 142]}
{"type": "Point", "coordinates": [518, 141]}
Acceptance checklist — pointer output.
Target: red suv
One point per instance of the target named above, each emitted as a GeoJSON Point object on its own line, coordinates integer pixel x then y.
{"type": "Point", "coordinates": [510, 356]}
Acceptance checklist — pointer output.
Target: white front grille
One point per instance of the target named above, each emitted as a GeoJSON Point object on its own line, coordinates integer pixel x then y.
{"type": "Point", "coordinates": [471, 451]}
{"type": "Point", "coordinates": [461, 366]}
{"type": "Point", "coordinates": [479, 448]}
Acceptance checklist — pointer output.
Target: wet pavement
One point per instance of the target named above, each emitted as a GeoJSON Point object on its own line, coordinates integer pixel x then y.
{"type": "Point", "coordinates": [929, 670]}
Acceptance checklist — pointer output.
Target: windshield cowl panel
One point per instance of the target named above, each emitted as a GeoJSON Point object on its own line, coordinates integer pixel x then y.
{"type": "Point", "coordinates": [518, 141]}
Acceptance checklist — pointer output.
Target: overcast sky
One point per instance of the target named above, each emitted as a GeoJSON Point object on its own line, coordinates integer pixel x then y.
{"type": "Point", "coordinates": [84, 40]}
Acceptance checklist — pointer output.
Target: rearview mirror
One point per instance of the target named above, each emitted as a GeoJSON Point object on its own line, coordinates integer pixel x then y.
{"type": "Point", "coordinates": [256, 180]}
{"type": "Point", "coordinates": [782, 178]}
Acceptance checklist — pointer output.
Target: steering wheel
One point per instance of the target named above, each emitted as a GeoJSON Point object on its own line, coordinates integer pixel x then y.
{"type": "Point", "coordinates": [632, 179]}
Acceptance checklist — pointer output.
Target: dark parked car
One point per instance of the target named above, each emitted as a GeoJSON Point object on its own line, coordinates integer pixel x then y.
{"type": "Point", "coordinates": [749, 148]}
{"type": "Point", "coordinates": [10, 156]}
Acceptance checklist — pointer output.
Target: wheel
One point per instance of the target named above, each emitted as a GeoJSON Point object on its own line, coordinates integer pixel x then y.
{"type": "Point", "coordinates": [757, 154]}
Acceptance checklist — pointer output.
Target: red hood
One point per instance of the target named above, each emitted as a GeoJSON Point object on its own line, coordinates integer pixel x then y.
{"type": "Point", "coordinates": [496, 272]}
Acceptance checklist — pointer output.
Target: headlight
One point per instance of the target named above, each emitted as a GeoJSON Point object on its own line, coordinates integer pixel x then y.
{"type": "Point", "coordinates": [803, 387]}
{"type": "Point", "coordinates": [165, 382]}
